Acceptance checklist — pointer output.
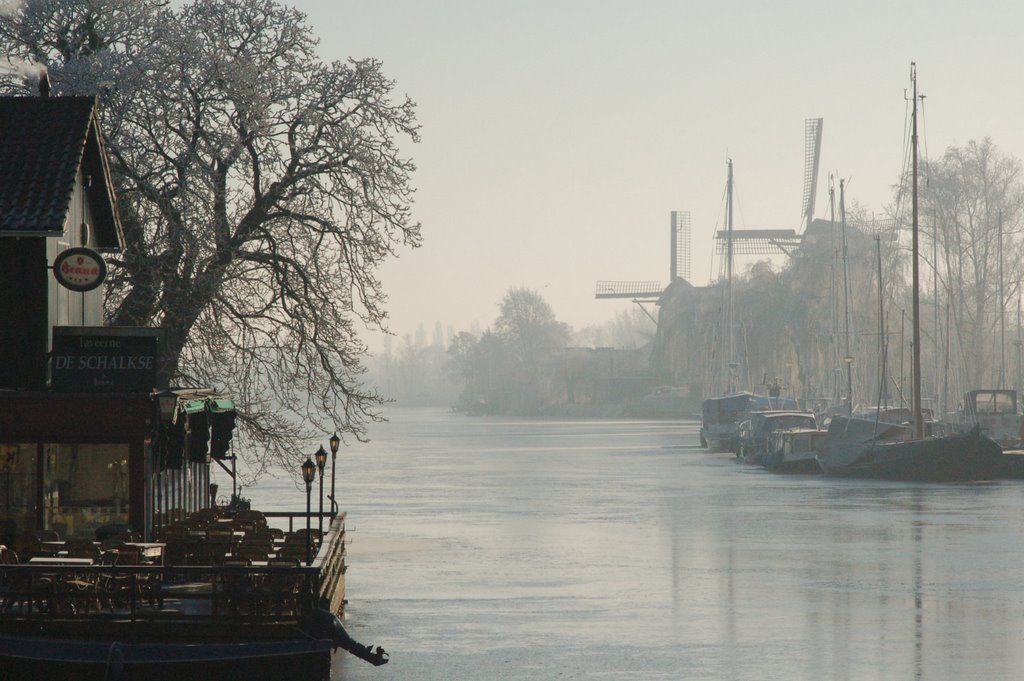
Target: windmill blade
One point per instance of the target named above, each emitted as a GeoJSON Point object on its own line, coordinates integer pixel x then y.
{"type": "Point", "coordinates": [812, 155]}
{"type": "Point", "coordinates": [680, 265]}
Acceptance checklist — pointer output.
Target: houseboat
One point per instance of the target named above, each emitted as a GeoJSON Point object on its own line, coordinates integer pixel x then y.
{"type": "Point", "coordinates": [115, 560]}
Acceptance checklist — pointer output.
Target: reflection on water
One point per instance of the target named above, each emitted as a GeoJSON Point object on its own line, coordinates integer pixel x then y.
{"type": "Point", "coordinates": [508, 549]}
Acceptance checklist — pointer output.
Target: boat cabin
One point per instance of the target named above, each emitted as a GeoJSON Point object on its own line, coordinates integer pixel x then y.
{"type": "Point", "coordinates": [753, 432]}
{"type": "Point", "coordinates": [720, 416]}
{"type": "Point", "coordinates": [995, 412]}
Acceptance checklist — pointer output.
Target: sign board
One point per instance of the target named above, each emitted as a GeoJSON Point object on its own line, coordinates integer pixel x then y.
{"type": "Point", "coordinates": [79, 269]}
{"type": "Point", "coordinates": [103, 359]}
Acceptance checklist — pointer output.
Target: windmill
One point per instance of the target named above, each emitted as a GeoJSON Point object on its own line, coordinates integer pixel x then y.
{"type": "Point", "coordinates": [780, 241]}
{"type": "Point", "coordinates": [743, 242]}
{"type": "Point", "coordinates": [649, 292]}
{"type": "Point", "coordinates": [732, 242]}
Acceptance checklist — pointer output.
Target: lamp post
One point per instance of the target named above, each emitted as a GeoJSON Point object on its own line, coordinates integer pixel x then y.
{"type": "Point", "coordinates": [308, 473]}
{"type": "Point", "coordinates": [166, 405]}
{"type": "Point", "coordinates": [321, 461]}
{"type": "Point", "coordinates": [167, 402]}
{"type": "Point", "coordinates": [335, 441]}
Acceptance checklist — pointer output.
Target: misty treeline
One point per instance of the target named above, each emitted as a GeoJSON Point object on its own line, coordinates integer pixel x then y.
{"type": "Point", "coordinates": [791, 322]}
{"type": "Point", "coordinates": [527, 362]}
{"type": "Point", "coordinates": [260, 189]}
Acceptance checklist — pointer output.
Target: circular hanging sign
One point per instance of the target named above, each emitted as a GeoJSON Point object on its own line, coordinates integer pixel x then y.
{"type": "Point", "coordinates": [79, 269]}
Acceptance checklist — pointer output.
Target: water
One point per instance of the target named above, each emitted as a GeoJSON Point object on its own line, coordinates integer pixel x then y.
{"type": "Point", "coordinates": [510, 549]}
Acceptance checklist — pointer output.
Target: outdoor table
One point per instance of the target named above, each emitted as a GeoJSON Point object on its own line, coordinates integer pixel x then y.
{"type": "Point", "coordinates": [59, 560]}
{"type": "Point", "coordinates": [201, 534]}
{"type": "Point", "coordinates": [152, 550]}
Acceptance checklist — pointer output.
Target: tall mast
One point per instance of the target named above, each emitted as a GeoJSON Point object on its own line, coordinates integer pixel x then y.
{"type": "Point", "coordinates": [881, 324]}
{"type": "Point", "coordinates": [937, 372]}
{"type": "Point", "coordinates": [1016, 378]}
{"type": "Point", "coordinates": [834, 293]}
{"type": "Point", "coordinates": [1002, 310]}
{"type": "Point", "coordinates": [847, 358]}
{"type": "Point", "coordinates": [730, 320]}
{"type": "Point", "coordinates": [916, 298]}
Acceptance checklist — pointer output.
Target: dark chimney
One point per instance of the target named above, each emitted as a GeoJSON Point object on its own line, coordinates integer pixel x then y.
{"type": "Point", "coordinates": [44, 83]}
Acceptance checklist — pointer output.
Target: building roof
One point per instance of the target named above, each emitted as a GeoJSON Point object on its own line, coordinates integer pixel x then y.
{"type": "Point", "coordinates": [43, 143]}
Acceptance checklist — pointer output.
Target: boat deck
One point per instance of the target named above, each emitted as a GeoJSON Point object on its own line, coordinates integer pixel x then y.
{"type": "Point", "coordinates": [65, 594]}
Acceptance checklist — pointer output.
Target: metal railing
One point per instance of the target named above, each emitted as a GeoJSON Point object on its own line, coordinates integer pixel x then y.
{"type": "Point", "coordinates": [158, 593]}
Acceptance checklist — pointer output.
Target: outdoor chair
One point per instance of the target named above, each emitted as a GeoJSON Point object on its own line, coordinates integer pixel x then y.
{"type": "Point", "coordinates": [212, 550]}
{"type": "Point", "coordinates": [82, 549]}
{"type": "Point", "coordinates": [255, 552]}
{"type": "Point", "coordinates": [280, 591]}
{"type": "Point", "coordinates": [15, 583]}
{"type": "Point", "coordinates": [233, 588]}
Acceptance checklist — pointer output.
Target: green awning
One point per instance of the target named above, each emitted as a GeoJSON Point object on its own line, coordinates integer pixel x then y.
{"type": "Point", "coordinates": [221, 406]}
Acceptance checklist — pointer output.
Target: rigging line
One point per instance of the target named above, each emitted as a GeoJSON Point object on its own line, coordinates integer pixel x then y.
{"type": "Point", "coordinates": [738, 207]}
{"type": "Point", "coordinates": [924, 133]}
{"type": "Point", "coordinates": [905, 151]}
{"type": "Point", "coordinates": [714, 235]}
{"type": "Point", "coordinates": [908, 152]}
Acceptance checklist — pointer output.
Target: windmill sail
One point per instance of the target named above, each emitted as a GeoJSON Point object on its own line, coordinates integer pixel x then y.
{"type": "Point", "coordinates": [812, 156]}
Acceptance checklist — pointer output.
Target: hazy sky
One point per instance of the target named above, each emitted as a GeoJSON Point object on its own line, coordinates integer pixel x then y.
{"type": "Point", "coordinates": [558, 136]}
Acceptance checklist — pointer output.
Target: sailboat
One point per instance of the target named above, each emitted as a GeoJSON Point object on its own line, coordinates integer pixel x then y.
{"type": "Point", "coordinates": [859, 448]}
{"type": "Point", "coordinates": [720, 416]}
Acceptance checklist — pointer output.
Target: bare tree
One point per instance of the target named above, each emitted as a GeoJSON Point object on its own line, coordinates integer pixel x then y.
{"type": "Point", "coordinates": [260, 189]}
{"type": "Point", "coordinates": [972, 207]}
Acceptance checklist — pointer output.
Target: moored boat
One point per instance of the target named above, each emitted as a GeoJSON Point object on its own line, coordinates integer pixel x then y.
{"type": "Point", "coordinates": [176, 616]}
{"type": "Point", "coordinates": [755, 431]}
{"type": "Point", "coordinates": [721, 416]}
{"type": "Point", "coordinates": [995, 412]}
{"type": "Point", "coordinates": [94, 446]}
{"type": "Point", "coordinates": [84, 660]}
{"type": "Point", "coordinates": [960, 457]}
{"type": "Point", "coordinates": [794, 450]}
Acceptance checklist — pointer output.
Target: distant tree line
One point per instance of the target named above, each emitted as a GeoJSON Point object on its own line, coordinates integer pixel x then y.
{"type": "Point", "coordinates": [527, 362]}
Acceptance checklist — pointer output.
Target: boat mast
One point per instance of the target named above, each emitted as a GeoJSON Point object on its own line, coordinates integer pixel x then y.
{"type": "Point", "coordinates": [730, 316]}
{"type": "Point", "coordinates": [881, 326]}
{"type": "Point", "coordinates": [1016, 379]}
{"type": "Point", "coordinates": [937, 372]}
{"type": "Point", "coordinates": [916, 283]}
{"type": "Point", "coordinates": [1002, 310]}
{"type": "Point", "coordinates": [834, 297]}
{"type": "Point", "coordinates": [847, 358]}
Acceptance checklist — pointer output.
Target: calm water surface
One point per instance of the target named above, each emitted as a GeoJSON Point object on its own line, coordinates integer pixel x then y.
{"type": "Point", "coordinates": [511, 549]}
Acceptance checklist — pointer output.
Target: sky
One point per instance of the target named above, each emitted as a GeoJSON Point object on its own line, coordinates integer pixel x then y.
{"type": "Point", "coordinates": [558, 136]}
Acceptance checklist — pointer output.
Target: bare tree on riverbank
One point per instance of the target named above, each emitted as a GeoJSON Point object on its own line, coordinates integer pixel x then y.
{"type": "Point", "coordinates": [260, 189]}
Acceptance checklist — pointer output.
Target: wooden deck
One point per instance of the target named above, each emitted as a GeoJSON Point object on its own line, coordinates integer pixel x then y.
{"type": "Point", "coordinates": [74, 596]}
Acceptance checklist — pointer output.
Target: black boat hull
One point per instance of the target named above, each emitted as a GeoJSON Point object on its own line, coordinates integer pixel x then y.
{"type": "Point", "coordinates": [955, 458]}
{"type": "Point", "coordinates": [47, 658]}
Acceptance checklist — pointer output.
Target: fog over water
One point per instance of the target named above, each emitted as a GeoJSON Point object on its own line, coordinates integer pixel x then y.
{"type": "Point", "coordinates": [513, 549]}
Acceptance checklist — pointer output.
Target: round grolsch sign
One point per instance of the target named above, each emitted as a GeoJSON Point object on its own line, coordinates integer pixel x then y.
{"type": "Point", "coordinates": [79, 269]}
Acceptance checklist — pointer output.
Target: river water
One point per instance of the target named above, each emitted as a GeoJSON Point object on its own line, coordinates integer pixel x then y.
{"type": "Point", "coordinates": [509, 549]}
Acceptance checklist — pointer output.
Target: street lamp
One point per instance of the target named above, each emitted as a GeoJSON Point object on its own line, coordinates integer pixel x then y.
{"type": "Point", "coordinates": [166, 405]}
{"type": "Point", "coordinates": [167, 402]}
{"type": "Point", "coordinates": [308, 473]}
{"type": "Point", "coordinates": [334, 441]}
{"type": "Point", "coordinates": [321, 461]}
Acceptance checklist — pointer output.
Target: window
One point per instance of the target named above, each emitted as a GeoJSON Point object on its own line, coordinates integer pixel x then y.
{"type": "Point", "coordinates": [84, 487]}
{"type": "Point", "coordinates": [17, 491]}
